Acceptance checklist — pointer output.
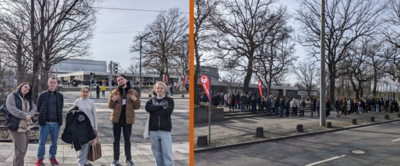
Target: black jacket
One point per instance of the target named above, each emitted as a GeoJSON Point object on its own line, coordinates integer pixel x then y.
{"type": "Point", "coordinates": [337, 104]}
{"type": "Point", "coordinates": [42, 104]}
{"type": "Point", "coordinates": [282, 104]}
{"type": "Point", "coordinates": [287, 104]}
{"type": "Point", "coordinates": [75, 132]}
{"type": "Point", "coordinates": [276, 104]}
{"type": "Point", "coordinates": [160, 118]}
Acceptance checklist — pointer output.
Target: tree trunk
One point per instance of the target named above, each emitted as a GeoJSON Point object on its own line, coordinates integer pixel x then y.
{"type": "Point", "coordinates": [249, 73]}
{"type": "Point", "coordinates": [332, 74]}
{"type": "Point", "coordinates": [35, 67]}
{"type": "Point", "coordinates": [375, 83]}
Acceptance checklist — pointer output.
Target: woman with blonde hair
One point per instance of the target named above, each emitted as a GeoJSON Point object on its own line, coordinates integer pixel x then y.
{"type": "Point", "coordinates": [20, 105]}
{"type": "Point", "coordinates": [159, 125]}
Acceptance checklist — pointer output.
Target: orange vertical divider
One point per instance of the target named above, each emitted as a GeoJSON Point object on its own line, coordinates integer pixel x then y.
{"type": "Point", "coordinates": [191, 83]}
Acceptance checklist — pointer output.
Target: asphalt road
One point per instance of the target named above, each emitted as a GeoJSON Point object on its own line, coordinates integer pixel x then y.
{"type": "Point", "coordinates": [381, 144]}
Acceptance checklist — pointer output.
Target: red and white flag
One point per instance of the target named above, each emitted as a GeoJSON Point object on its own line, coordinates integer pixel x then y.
{"type": "Point", "coordinates": [185, 80]}
{"type": "Point", "coordinates": [205, 82]}
{"type": "Point", "coordinates": [164, 79]}
{"type": "Point", "coordinates": [260, 87]}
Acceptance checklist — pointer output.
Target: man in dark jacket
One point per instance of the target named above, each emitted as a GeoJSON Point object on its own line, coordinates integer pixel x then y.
{"type": "Point", "coordinates": [287, 106]}
{"type": "Point", "coordinates": [49, 105]}
{"type": "Point", "coordinates": [216, 100]}
{"type": "Point", "coordinates": [253, 103]}
{"type": "Point", "coordinates": [242, 101]}
{"type": "Point", "coordinates": [276, 105]}
{"type": "Point", "coordinates": [282, 106]}
{"type": "Point", "coordinates": [268, 105]}
{"type": "Point", "coordinates": [337, 106]}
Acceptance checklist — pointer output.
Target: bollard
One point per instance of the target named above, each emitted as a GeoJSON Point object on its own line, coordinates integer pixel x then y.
{"type": "Point", "coordinates": [329, 125]}
{"type": "Point", "coordinates": [372, 119]}
{"type": "Point", "coordinates": [386, 116]}
{"type": "Point", "coordinates": [202, 141]}
{"type": "Point", "coordinates": [260, 132]}
{"type": "Point", "coordinates": [353, 121]}
{"type": "Point", "coordinates": [183, 96]}
{"type": "Point", "coordinates": [299, 128]}
{"type": "Point", "coordinates": [149, 95]}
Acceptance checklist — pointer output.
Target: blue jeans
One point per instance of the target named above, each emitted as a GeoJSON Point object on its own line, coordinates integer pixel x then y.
{"type": "Point", "coordinates": [377, 108]}
{"type": "Point", "coordinates": [242, 107]}
{"type": "Point", "coordinates": [44, 132]}
{"type": "Point", "coordinates": [282, 111]}
{"type": "Point", "coordinates": [373, 107]}
{"type": "Point", "coordinates": [103, 93]}
{"type": "Point", "coordinates": [268, 110]}
{"type": "Point", "coordinates": [276, 110]}
{"type": "Point", "coordinates": [360, 109]}
{"type": "Point", "coordinates": [161, 146]}
{"type": "Point", "coordinates": [312, 110]}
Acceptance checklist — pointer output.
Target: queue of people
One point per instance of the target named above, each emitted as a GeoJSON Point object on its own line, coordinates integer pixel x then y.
{"type": "Point", "coordinates": [82, 123]}
{"type": "Point", "coordinates": [266, 105]}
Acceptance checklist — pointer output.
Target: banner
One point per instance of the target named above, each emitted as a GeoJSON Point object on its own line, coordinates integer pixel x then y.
{"type": "Point", "coordinates": [185, 80]}
{"type": "Point", "coordinates": [260, 87]}
{"type": "Point", "coordinates": [205, 83]}
{"type": "Point", "coordinates": [164, 79]}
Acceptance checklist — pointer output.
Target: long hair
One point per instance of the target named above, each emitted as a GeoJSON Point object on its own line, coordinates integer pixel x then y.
{"type": "Point", "coordinates": [29, 94]}
{"type": "Point", "coordinates": [83, 89]}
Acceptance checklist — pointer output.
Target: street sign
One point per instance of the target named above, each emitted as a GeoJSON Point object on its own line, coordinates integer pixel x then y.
{"type": "Point", "coordinates": [205, 83]}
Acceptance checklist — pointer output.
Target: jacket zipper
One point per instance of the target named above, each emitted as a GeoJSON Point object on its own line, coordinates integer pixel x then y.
{"type": "Point", "coordinates": [159, 121]}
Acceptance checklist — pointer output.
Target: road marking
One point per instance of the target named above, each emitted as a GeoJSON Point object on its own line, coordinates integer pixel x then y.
{"type": "Point", "coordinates": [319, 162]}
{"type": "Point", "coordinates": [396, 140]}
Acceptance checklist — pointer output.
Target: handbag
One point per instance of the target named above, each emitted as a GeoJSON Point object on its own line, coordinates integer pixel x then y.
{"type": "Point", "coordinates": [12, 122]}
{"type": "Point", "coordinates": [94, 149]}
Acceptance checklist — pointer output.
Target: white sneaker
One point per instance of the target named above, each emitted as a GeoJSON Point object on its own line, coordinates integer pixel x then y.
{"type": "Point", "coordinates": [115, 163]}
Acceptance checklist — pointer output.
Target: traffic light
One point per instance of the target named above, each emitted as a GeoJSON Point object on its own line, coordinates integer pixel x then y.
{"type": "Point", "coordinates": [91, 75]}
{"type": "Point", "coordinates": [116, 68]}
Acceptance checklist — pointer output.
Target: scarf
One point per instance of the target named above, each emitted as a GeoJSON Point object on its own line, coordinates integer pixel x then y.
{"type": "Point", "coordinates": [25, 125]}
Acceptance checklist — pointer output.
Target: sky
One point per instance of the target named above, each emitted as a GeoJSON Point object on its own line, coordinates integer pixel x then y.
{"type": "Point", "coordinates": [115, 29]}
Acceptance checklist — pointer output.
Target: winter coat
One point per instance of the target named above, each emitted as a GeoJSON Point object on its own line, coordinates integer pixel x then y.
{"type": "Point", "coordinates": [295, 103]}
{"type": "Point", "coordinates": [42, 105]}
{"type": "Point", "coordinates": [76, 132]}
{"type": "Point", "coordinates": [337, 105]}
{"type": "Point", "coordinates": [276, 104]}
{"type": "Point", "coordinates": [302, 105]}
{"type": "Point", "coordinates": [230, 99]}
{"type": "Point", "coordinates": [268, 103]}
{"type": "Point", "coordinates": [282, 104]}
{"type": "Point", "coordinates": [287, 104]}
{"type": "Point", "coordinates": [242, 99]}
{"type": "Point", "coordinates": [160, 118]}
{"type": "Point", "coordinates": [130, 106]}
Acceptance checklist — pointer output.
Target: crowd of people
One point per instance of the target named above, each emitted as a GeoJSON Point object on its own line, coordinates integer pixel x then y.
{"type": "Point", "coordinates": [278, 106]}
{"type": "Point", "coordinates": [82, 125]}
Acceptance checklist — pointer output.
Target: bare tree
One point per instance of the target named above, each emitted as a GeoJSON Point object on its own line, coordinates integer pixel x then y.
{"type": "Point", "coordinates": [307, 75]}
{"type": "Point", "coordinates": [245, 27]}
{"type": "Point", "coordinates": [181, 60]}
{"type": "Point", "coordinates": [391, 31]}
{"type": "Point", "coordinates": [358, 71]}
{"type": "Point", "coordinates": [160, 46]}
{"type": "Point", "coordinates": [232, 76]}
{"type": "Point", "coordinates": [346, 21]}
{"type": "Point", "coordinates": [204, 11]}
{"type": "Point", "coordinates": [275, 58]}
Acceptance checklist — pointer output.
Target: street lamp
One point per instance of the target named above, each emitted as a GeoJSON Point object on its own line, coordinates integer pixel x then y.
{"type": "Point", "coordinates": [140, 66]}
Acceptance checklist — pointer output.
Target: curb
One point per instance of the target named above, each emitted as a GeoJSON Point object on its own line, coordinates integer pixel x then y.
{"type": "Point", "coordinates": [201, 150]}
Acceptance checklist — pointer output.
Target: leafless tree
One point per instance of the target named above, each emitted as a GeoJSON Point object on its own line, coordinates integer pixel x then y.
{"type": "Point", "coordinates": [346, 21]}
{"type": "Point", "coordinates": [181, 60]}
{"type": "Point", "coordinates": [245, 27]}
{"type": "Point", "coordinates": [204, 11]}
{"type": "Point", "coordinates": [307, 75]}
{"type": "Point", "coordinates": [161, 45]}
{"type": "Point", "coordinates": [275, 58]}
{"type": "Point", "coordinates": [232, 76]}
{"type": "Point", "coordinates": [357, 69]}
{"type": "Point", "coordinates": [391, 31]}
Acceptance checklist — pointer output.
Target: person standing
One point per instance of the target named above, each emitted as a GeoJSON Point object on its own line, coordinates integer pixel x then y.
{"type": "Point", "coordinates": [226, 99]}
{"type": "Point", "coordinates": [287, 106]}
{"type": "Point", "coordinates": [327, 107]}
{"type": "Point", "coordinates": [86, 106]}
{"type": "Point", "coordinates": [221, 96]}
{"type": "Point", "coordinates": [282, 107]}
{"type": "Point", "coordinates": [237, 99]}
{"type": "Point", "coordinates": [295, 105]}
{"type": "Point", "coordinates": [123, 101]}
{"type": "Point", "coordinates": [344, 106]}
{"type": "Point", "coordinates": [103, 90]}
{"type": "Point", "coordinates": [97, 91]}
{"type": "Point", "coordinates": [253, 104]}
{"type": "Point", "coordinates": [268, 104]}
{"type": "Point", "coordinates": [50, 106]}
{"type": "Point", "coordinates": [160, 109]}
{"type": "Point", "coordinates": [386, 105]}
{"type": "Point", "coordinates": [395, 105]}
{"type": "Point", "coordinates": [171, 88]}
{"type": "Point", "coordinates": [242, 102]}
{"type": "Point", "coordinates": [20, 104]}
{"type": "Point", "coordinates": [276, 105]}
{"type": "Point", "coordinates": [337, 107]}
{"type": "Point", "coordinates": [302, 106]}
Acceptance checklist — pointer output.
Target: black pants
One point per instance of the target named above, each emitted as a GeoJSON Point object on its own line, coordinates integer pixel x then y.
{"type": "Point", "coordinates": [343, 111]}
{"type": "Point", "coordinates": [294, 111]}
{"type": "Point", "coordinates": [301, 112]}
{"type": "Point", "coordinates": [127, 131]}
{"type": "Point", "coordinates": [287, 111]}
{"type": "Point", "coordinates": [172, 92]}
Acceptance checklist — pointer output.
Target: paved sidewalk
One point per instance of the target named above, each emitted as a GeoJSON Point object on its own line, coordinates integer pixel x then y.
{"type": "Point", "coordinates": [141, 155]}
{"type": "Point", "coordinates": [238, 130]}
